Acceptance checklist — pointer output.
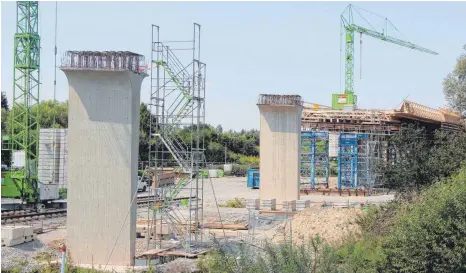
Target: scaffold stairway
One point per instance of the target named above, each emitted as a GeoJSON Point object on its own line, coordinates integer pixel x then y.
{"type": "Point", "coordinates": [184, 164]}
{"type": "Point", "coordinates": [185, 103]}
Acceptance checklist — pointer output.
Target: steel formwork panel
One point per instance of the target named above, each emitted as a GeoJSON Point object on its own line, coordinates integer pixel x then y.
{"type": "Point", "coordinates": [351, 169]}
{"type": "Point", "coordinates": [347, 161]}
{"type": "Point", "coordinates": [314, 158]}
{"type": "Point", "coordinates": [306, 157]}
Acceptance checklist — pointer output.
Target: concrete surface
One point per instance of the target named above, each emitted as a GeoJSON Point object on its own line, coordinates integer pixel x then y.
{"type": "Point", "coordinates": [103, 139]}
{"type": "Point", "coordinates": [280, 138]}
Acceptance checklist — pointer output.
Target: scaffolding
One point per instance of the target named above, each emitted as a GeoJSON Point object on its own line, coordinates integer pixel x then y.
{"type": "Point", "coordinates": [177, 115]}
{"type": "Point", "coordinates": [305, 171]}
{"type": "Point", "coordinates": [352, 144]}
{"type": "Point", "coordinates": [314, 159]}
{"type": "Point", "coordinates": [347, 161]}
{"type": "Point", "coordinates": [356, 154]}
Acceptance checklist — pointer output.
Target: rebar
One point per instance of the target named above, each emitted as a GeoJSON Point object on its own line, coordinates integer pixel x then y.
{"type": "Point", "coordinates": [279, 100]}
{"type": "Point", "coordinates": [103, 60]}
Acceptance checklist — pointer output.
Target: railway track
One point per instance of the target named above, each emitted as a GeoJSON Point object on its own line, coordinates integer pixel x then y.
{"type": "Point", "coordinates": [28, 215]}
{"type": "Point", "coordinates": [31, 215]}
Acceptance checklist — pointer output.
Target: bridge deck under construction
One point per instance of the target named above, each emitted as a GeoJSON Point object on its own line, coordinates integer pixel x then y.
{"type": "Point", "coordinates": [326, 119]}
{"type": "Point", "coordinates": [341, 149]}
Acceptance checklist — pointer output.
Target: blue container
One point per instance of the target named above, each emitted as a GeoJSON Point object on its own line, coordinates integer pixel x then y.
{"type": "Point", "coordinates": [250, 176]}
{"type": "Point", "coordinates": [255, 180]}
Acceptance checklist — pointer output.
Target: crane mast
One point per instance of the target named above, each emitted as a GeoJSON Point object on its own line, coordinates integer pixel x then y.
{"type": "Point", "coordinates": [348, 98]}
{"type": "Point", "coordinates": [25, 109]}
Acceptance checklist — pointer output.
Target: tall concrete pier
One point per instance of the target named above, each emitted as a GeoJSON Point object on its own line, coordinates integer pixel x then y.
{"type": "Point", "coordinates": [280, 142]}
{"type": "Point", "coordinates": [103, 139]}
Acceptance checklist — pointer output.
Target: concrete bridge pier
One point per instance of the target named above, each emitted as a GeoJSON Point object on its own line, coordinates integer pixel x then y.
{"type": "Point", "coordinates": [103, 139]}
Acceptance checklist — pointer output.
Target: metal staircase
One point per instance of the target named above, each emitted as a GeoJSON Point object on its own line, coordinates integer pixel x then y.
{"type": "Point", "coordinates": [177, 92]}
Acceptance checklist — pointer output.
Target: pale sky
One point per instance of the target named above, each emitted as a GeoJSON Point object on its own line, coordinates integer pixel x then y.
{"type": "Point", "coordinates": [259, 47]}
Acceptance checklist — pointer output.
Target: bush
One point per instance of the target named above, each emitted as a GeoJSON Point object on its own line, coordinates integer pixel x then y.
{"type": "Point", "coordinates": [360, 256]}
{"type": "Point", "coordinates": [252, 160]}
{"type": "Point", "coordinates": [235, 203]}
{"type": "Point", "coordinates": [63, 193]}
{"type": "Point", "coordinates": [313, 256]}
{"type": "Point", "coordinates": [427, 234]}
{"type": "Point", "coordinates": [240, 170]}
{"type": "Point", "coordinates": [430, 234]}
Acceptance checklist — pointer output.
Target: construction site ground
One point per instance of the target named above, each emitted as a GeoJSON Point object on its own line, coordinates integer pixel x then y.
{"type": "Point", "coordinates": [332, 223]}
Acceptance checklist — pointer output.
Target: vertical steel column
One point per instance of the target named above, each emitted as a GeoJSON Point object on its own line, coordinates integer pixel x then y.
{"type": "Point", "coordinates": [25, 108]}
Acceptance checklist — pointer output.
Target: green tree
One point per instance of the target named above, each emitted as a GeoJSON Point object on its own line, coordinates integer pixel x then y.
{"type": "Point", "coordinates": [409, 169]}
{"type": "Point", "coordinates": [5, 113]}
{"type": "Point", "coordinates": [144, 133]}
{"type": "Point", "coordinates": [5, 102]}
{"type": "Point", "coordinates": [6, 155]}
{"type": "Point", "coordinates": [242, 146]}
{"type": "Point", "coordinates": [53, 114]}
{"type": "Point", "coordinates": [5, 110]}
{"type": "Point", "coordinates": [421, 158]}
{"type": "Point", "coordinates": [454, 85]}
{"type": "Point", "coordinates": [429, 235]}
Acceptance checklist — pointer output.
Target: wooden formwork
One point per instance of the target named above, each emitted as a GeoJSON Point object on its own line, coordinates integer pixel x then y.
{"type": "Point", "coordinates": [163, 177]}
{"type": "Point", "coordinates": [377, 120]}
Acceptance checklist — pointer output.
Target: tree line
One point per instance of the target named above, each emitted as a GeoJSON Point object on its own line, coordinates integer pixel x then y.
{"type": "Point", "coordinates": [241, 147]}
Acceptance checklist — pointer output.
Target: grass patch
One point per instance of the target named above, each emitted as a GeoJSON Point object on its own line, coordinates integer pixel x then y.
{"type": "Point", "coordinates": [235, 203]}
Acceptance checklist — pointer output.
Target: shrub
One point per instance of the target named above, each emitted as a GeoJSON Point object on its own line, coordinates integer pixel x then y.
{"type": "Point", "coordinates": [361, 256]}
{"type": "Point", "coordinates": [63, 193]}
{"type": "Point", "coordinates": [253, 160]}
{"type": "Point", "coordinates": [240, 170]}
{"type": "Point", "coordinates": [313, 256]}
{"type": "Point", "coordinates": [430, 233]}
{"type": "Point", "coordinates": [235, 203]}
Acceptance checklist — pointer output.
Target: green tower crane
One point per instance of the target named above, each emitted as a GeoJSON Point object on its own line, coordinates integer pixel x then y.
{"type": "Point", "coordinates": [350, 28]}
{"type": "Point", "coordinates": [24, 124]}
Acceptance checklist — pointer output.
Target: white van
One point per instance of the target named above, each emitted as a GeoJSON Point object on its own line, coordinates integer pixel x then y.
{"type": "Point", "coordinates": [144, 184]}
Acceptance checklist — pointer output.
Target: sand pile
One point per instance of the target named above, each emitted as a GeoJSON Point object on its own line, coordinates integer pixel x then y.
{"type": "Point", "coordinates": [332, 224]}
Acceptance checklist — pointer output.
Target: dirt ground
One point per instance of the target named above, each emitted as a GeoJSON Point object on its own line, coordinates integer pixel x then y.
{"type": "Point", "coordinates": [229, 188]}
{"type": "Point", "coordinates": [330, 223]}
